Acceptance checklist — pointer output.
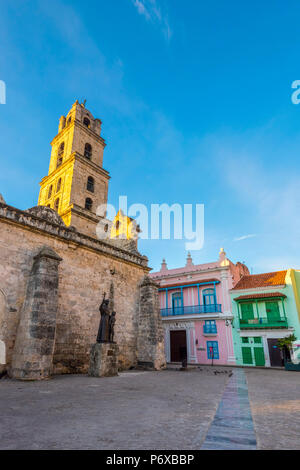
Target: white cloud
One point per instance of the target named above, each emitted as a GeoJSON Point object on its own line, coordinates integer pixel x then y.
{"type": "Point", "coordinates": [153, 13]}
{"type": "Point", "coordinates": [244, 237]}
{"type": "Point", "coordinates": [267, 190]}
{"type": "Point", "coordinates": [141, 9]}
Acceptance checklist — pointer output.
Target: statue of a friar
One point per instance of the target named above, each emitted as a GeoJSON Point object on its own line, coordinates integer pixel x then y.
{"type": "Point", "coordinates": [103, 332]}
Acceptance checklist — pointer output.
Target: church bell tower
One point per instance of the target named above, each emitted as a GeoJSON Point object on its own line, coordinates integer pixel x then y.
{"type": "Point", "coordinates": [76, 183]}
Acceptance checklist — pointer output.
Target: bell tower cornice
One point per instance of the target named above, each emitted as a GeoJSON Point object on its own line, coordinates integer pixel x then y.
{"type": "Point", "coordinates": [76, 156]}
{"type": "Point", "coordinates": [76, 122]}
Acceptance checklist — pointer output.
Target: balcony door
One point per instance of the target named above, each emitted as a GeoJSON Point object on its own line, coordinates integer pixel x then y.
{"type": "Point", "coordinates": [273, 314]}
{"type": "Point", "coordinates": [209, 300]}
{"type": "Point", "coordinates": [177, 304]}
{"type": "Point", "coordinates": [247, 312]}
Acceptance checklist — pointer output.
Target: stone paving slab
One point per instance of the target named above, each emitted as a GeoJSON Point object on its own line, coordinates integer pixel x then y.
{"type": "Point", "coordinates": [153, 410]}
{"type": "Point", "coordinates": [137, 410]}
{"type": "Point", "coordinates": [275, 404]}
{"type": "Point", "coordinates": [232, 427]}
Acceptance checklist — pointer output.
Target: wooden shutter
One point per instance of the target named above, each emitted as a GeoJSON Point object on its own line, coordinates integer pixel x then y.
{"type": "Point", "coordinates": [247, 311]}
{"type": "Point", "coordinates": [259, 356]}
{"type": "Point", "coordinates": [247, 355]}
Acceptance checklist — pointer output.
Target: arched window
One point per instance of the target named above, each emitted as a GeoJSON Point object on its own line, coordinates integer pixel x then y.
{"type": "Point", "coordinates": [88, 151]}
{"type": "Point", "coordinates": [56, 204]}
{"type": "Point", "coordinates": [88, 204]}
{"type": "Point", "coordinates": [58, 186]}
{"type": "Point", "coordinates": [61, 149]}
{"type": "Point", "coordinates": [60, 154]}
{"type": "Point", "coordinates": [86, 122]}
{"type": "Point", "coordinates": [50, 191]}
{"type": "Point", "coordinates": [49, 205]}
{"type": "Point", "coordinates": [209, 297]}
{"type": "Point", "coordinates": [69, 119]}
{"type": "Point", "coordinates": [90, 184]}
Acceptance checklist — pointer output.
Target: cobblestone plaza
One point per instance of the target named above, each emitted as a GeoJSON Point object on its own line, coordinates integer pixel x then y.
{"type": "Point", "coordinates": [202, 408]}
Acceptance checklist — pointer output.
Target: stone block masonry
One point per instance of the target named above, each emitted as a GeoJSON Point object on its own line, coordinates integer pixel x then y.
{"type": "Point", "coordinates": [33, 350]}
{"type": "Point", "coordinates": [87, 268]}
{"type": "Point", "coordinates": [49, 303]}
{"type": "Point", "coordinates": [103, 360]}
{"type": "Point", "coordinates": [150, 347]}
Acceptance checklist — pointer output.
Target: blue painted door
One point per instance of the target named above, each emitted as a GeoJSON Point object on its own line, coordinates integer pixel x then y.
{"type": "Point", "coordinates": [177, 304]}
{"type": "Point", "coordinates": [209, 300]}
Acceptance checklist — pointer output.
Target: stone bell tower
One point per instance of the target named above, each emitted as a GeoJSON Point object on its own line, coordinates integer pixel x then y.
{"type": "Point", "coordinates": [76, 183]}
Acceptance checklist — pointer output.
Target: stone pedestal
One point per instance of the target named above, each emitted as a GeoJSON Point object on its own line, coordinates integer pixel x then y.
{"type": "Point", "coordinates": [104, 360]}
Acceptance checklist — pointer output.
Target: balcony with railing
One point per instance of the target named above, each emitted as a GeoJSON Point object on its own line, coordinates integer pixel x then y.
{"type": "Point", "coordinates": [263, 323]}
{"type": "Point", "coordinates": [191, 310]}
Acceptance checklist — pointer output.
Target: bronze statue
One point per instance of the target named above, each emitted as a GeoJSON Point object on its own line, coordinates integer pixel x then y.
{"type": "Point", "coordinates": [103, 331]}
{"type": "Point", "coordinates": [112, 321]}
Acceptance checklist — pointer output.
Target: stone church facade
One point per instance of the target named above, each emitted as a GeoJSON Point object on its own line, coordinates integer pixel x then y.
{"type": "Point", "coordinates": [54, 270]}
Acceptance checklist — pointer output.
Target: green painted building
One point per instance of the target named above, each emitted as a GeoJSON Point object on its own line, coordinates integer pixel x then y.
{"type": "Point", "coordinates": [265, 308]}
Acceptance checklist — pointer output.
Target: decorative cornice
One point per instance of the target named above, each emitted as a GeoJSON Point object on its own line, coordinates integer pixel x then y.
{"type": "Point", "coordinates": [205, 316]}
{"type": "Point", "coordinates": [90, 163]}
{"type": "Point", "coordinates": [256, 289]}
{"type": "Point", "coordinates": [162, 277]}
{"type": "Point", "coordinates": [86, 129]}
{"type": "Point", "coordinates": [29, 221]}
{"type": "Point", "coordinates": [72, 158]}
{"type": "Point", "coordinates": [81, 212]}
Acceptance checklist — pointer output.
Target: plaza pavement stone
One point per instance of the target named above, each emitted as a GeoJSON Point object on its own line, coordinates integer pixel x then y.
{"type": "Point", "coordinates": [232, 427]}
{"type": "Point", "coordinates": [202, 408]}
{"type": "Point", "coordinates": [275, 405]}
{"type": "Point", "coordinates": [136, 410]}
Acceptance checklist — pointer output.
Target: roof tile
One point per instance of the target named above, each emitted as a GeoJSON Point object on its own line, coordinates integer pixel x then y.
{"type": "Point", "coordinates": [252, 281]}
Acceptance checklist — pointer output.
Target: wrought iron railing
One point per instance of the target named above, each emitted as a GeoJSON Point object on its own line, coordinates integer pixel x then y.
{"type": "Point", "coordinates": [264, 323]}
{"type": "Point", "coordinates": [191, 310]}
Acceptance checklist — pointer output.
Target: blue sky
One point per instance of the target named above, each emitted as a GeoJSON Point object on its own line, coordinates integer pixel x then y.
{"type": "Point", "coordinates": [195, 99]}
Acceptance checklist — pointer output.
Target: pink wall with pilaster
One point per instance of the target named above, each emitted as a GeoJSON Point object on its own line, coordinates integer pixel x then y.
{"type": "Point", "coordinates": [224, 338]}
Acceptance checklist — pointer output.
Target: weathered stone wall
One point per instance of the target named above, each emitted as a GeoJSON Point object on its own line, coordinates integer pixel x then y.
{"type": "Point", "coordinates": [2, 327]}
{"type": "Point", "coordinates": [87, 269]}
{"type": "Point", "coordinates": [33, 350]}
{"type": "Point", "coordinates": [150, 346]}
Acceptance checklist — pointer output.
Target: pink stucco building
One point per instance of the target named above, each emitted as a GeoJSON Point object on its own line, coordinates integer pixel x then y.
{"type": "Point", "coordinates": [196, 309]}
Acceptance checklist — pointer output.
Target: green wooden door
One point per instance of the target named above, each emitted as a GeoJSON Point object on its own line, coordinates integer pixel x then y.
{"type": "Point", "coordinates": [259, 356]}
{"type": "Point", "coordinates": [253, 351]}
{"type": "Point", "coordinates": [273, 312]}
{"type": "Point", "coordinates": [247, 355]}
{"type": "Point", "coordinates": [247, 311]}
